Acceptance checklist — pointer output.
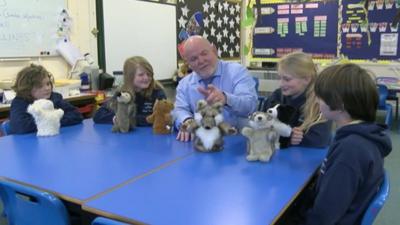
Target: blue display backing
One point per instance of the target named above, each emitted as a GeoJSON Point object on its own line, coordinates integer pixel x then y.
{"type": "Point", "coordinates": [309, 43]}
{"type": "Point", "coordinates": [370, 51]}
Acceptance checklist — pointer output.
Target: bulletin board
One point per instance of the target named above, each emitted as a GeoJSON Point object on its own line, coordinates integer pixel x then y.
{"type": "Point", "coordinates": [218, 21]}
{"type": "Point", "coordinates": [371, 38]}
{"type": "Point", "coordinates": [29, 28]}
{"type": "Point", "coordinates": [283, 28]}
{"type": "Point", "coordinates": [327, 29]}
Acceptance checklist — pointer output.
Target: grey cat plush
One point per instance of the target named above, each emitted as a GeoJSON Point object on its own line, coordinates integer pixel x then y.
{"type": "Point", "coordinates": [123, 104]}
{"type": "Point", "coordinates": [208, 127]}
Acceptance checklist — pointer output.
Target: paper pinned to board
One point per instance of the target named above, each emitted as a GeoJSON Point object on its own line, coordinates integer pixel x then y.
{"type": "Point", "coordinates": [8, 96]}
{"type": "Point", "coordinates": [70, 53]}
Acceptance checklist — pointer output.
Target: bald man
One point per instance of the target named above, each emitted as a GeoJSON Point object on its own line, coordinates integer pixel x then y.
{"type": "Point", "coordinates": [215, 81]}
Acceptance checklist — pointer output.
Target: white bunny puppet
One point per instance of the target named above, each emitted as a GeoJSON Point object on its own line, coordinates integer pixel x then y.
{"type": "Point", "coordinates": [47, 118]}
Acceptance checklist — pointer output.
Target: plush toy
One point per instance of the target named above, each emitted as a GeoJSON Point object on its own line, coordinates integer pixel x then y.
{"type": "Point", "coordinates": [47, 118]}
{"type": "Point", "coordinates": [182, 71]}
{"type": "Point", "coordinates": [123, 104]}
{"type": "Point", "coordinates": [263, 134]}
{"type": "Point", "coordinates": [161, 117]}
{"type": "Point", "coordinates": [286, 114]}
{"type": "Point", "coordinates": [208, 127]}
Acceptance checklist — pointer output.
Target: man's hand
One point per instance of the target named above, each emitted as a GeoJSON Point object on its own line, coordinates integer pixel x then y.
{"type": "Point", "coordinates": [184, 134]}
{"type": "Point", "coordinates": [297, 136]}
{"type": "Point", "coordinates": [212, 94]}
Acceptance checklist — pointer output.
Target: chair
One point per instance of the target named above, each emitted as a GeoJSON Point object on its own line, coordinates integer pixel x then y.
{"type": "Point", "coordinates": [382, 105]}
{"type": "Point", "coordinates": [5, 127]}
{"type": "Point", "coordinates": [106, 221]}
{"type": "Point", "coordinates": [392, 93]}
{"type": "Point", "coordinates": [261, 99]}
{"type": "Point", "coordinates": [377, 202]}
{"type": "Point", "coordinates": [25, 205]}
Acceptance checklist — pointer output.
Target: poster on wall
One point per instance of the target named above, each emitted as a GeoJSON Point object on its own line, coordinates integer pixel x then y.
{"type": "Point", "coordinates": [389, 44]}
{"type": "Point", "coordinates": [218, 21]}
{"type": "Point", "coordinates": [287, 27]}
{"type": "Point", "coordinates": [369, 31]}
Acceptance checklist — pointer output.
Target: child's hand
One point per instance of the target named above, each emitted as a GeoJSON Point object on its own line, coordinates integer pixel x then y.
{"type": "Point", "coordinates": [297, 136]}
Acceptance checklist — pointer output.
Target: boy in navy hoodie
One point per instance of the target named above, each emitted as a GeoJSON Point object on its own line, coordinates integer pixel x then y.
{"type": "Point", "coordinates": [352, 171]}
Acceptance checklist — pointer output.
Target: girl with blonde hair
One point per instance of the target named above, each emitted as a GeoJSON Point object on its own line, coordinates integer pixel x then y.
{"type": "Point", "coordinates": [297, 73]}
{"type": "Point", "coordinates": [138, 79]}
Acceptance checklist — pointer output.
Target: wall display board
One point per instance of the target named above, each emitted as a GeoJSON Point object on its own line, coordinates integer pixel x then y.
{"type": "Point", "coordinates": [358, 30]}
{"type": "Point", "coordinates": [30, 28]}
{"type": "Point", "coordinates": [367, 31]}
{"type": "Point", "coordinates": [286, 27]}
{"type": "Point", "coordinates": [218, 21]}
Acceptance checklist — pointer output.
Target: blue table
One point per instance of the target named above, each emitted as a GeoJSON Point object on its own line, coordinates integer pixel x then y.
{"type": "Point", "coordinates": [87, 159]}
{"type": "Point", "coordinates": [214, 188]}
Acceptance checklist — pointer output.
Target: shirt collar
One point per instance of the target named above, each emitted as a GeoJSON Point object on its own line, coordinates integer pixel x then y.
{"type": "Point", "coordinates": [218, 72]}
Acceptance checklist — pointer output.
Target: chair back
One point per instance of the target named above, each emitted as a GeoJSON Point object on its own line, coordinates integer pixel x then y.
{"type": "Point", "coordinates": [25, 205]}
{"type": "Point", "coordinates": [5, 127]}
{"type": "Point", "coordinates": [261, 99]}
{"type": "Point", "coordinates": [257, 82]}
{"type": "Point", "coordinates": [106, 221]}
{"type": "Point", "coordinates": [383, 94]}
{"type": "Point", "coordinates": [377, 202]}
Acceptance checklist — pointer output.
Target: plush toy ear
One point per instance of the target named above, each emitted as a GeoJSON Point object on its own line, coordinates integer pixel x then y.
{"type": "Point", "coordinates": [219, 106]}
{"type": "Point", "coordinates": [117, 94]}
{"type": "Point", "coordinates": [31, 109]}
{"type": "Point", "coordinates": [201, 104]}
{"type": "Point", "coordinates": [273, 112]}
{"type": "Point", "coordinates": [155, 105]}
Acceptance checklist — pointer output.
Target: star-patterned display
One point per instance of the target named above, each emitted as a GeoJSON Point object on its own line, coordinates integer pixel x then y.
{"type": "Point", "coordinates": [221, 23]}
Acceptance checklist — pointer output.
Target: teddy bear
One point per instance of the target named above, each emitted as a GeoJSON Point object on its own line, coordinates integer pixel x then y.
{"type": "Point", "coordinates": [263, 134]}
{"type": "Point", "coordinates": [182, 71]}
{"type": "Point", "coordinates": [47, 118]}
{"type": "Point", "coordinates": [161, 117]}
{"type": "Point", "coordinates": [208, 127]}
{"type": "Point", "coordinates": [124, 106]}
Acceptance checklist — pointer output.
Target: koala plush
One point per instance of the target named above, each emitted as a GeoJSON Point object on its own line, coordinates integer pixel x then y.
{"type": "Point", "coordinates": [47, 118]}
{"type": "Point", "coordinates": [161, 117]}
{"type": "Point", "coordinates": [208, 127]}
{"type": "Point", "coordinates": [263, 134]}
{"type": "Point", "coordinates": [123, 104]}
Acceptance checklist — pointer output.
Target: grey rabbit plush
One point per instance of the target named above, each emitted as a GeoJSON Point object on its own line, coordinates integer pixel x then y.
{"type": "Point", "coordinates": [123, 104]}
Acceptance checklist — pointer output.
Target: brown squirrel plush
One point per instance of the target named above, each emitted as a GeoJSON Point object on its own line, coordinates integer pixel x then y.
{"type": "Point", "coordinates": [161, 117]}
{"type": "Point", "coordinates": [123, 104]}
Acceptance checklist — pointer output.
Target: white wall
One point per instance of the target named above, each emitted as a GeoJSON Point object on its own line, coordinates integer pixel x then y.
{"type": "Point", "coordinates": [84, 20]}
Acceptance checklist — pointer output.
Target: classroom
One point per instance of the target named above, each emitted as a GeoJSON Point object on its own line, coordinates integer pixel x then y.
{"type": "Point", "coordinates": [165, 112]}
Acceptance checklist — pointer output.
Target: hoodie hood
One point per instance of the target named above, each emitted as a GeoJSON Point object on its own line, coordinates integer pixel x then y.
{"type": "Point", "coordinates": [376, 133]}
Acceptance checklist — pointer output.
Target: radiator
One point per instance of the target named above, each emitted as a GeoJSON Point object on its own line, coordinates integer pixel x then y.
{"type": "Point", "coordinates": [268, 80]}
